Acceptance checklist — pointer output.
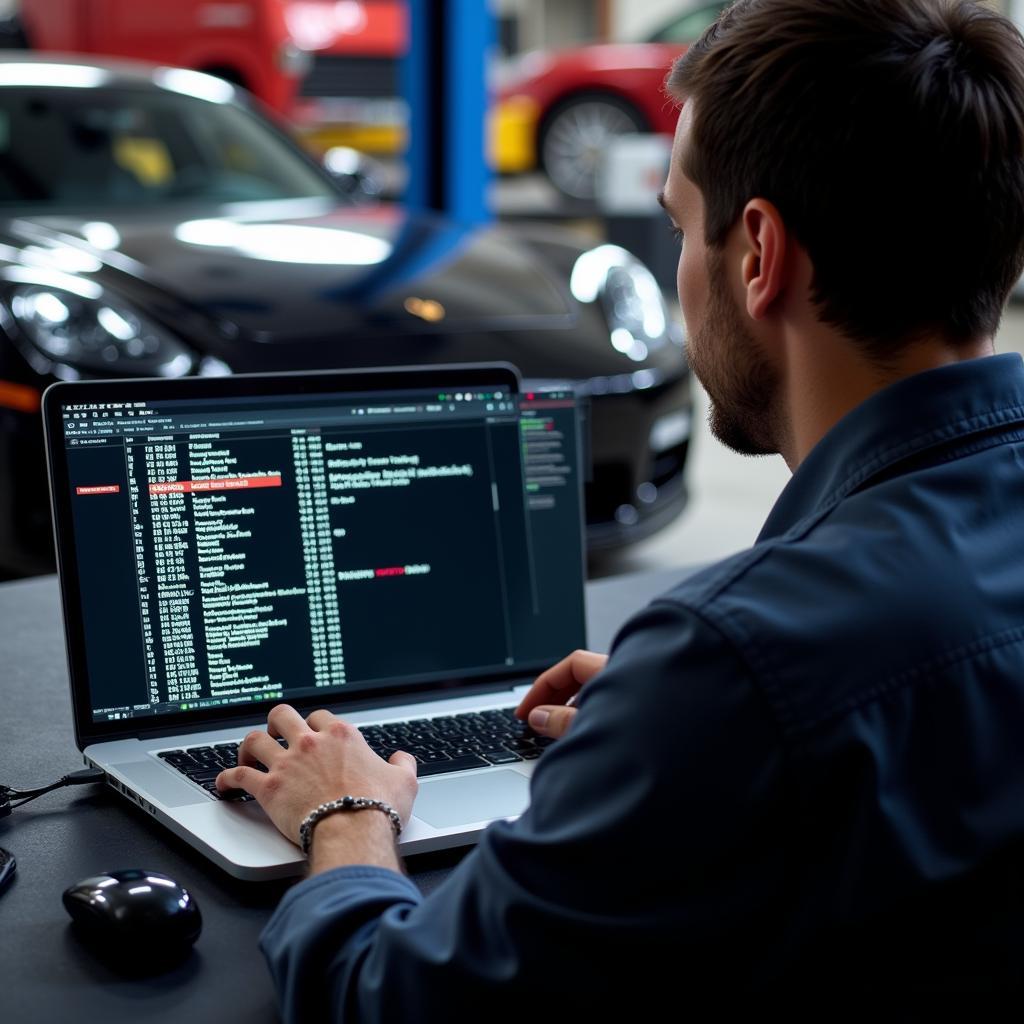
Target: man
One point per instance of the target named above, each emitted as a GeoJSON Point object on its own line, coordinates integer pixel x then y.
{"type": "Point", "coordinates": [804, 766]}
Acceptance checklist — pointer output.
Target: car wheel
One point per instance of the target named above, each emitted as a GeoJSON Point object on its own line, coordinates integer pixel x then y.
{"type": "Point", "coordinates": [576, 134]}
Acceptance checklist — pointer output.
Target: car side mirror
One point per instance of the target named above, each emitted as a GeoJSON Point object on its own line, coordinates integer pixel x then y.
{"type": "Point", "coordinates": [359, 177]}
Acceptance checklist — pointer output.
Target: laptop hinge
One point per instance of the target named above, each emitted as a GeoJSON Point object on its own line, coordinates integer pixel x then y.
{"type": "Point", "coordinates": [373, 702]}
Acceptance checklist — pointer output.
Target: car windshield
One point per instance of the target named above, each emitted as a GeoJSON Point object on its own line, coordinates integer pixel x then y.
{"type": "Point", "coordinates": [136, 147]}
{"type": "Point", "coordinates": [690, 26]}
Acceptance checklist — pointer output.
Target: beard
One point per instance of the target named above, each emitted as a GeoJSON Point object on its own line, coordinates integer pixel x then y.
{"type": "Point", "coordinates": [743, 387]}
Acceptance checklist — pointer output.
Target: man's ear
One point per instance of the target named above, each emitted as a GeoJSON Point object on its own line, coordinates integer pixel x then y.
{"type": "Point", "coordinates": [764, 263]}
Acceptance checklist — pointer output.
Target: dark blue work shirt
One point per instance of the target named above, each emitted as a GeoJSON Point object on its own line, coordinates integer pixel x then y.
{"type": "Point", "coordinates": [801, 768]}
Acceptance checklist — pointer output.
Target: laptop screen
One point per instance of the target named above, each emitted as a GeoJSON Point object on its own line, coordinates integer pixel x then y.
{"type": "Point", "coordinates": [245, 549]}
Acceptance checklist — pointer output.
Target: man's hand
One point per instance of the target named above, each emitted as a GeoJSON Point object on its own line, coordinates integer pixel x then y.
{"type": "Point", "coordinates": [545, 705]}
{"type": "Point", "coordinates": [326, 759]}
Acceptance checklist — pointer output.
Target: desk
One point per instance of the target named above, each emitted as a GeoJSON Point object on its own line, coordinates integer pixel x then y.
{"type": "Point", "coordinates": [45, 973]}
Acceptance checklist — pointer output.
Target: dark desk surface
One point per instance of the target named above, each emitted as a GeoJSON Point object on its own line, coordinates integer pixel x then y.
{"type": "Point", "coordinates": [45, 973]}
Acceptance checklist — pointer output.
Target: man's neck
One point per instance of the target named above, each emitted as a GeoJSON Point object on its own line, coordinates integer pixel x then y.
{"type": "Point", "coordinates": [829, 378]}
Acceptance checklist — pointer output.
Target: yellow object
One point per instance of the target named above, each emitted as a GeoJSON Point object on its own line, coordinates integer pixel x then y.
{"type": "Point", "coordinates": [513, 135]}
{"type": "Point", "coordinates": [381, 139]}
{"type": "Point", "coordinates": [146, 159]}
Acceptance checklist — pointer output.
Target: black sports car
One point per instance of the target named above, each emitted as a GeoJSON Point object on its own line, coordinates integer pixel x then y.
{"type": "Point", "coordinates": [153, 223]}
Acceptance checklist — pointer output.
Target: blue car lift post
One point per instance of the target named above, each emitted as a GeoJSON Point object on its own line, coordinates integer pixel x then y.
{"type": "Point", "coordinates": [444, 81]}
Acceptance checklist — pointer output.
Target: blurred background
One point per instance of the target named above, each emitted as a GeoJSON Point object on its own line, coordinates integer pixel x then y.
{"type": "Point", "coordinates": [466, 182]}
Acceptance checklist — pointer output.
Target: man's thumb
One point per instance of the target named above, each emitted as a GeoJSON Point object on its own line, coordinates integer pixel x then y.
{"type": "Point", "coordinates": [551, 720]}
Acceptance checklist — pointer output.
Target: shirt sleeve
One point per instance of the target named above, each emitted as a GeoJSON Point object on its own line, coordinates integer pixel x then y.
{"type": "Point", "coordinates": [644, 850]}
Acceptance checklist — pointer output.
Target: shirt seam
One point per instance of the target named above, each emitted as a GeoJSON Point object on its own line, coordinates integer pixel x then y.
{"type": "Point", "coordinates": [807, 522]}
{"type": "Point", "coordinates": [973, 448]}
{"type": "Point", "coordinates": [753, 557]}
{"type": "Point", "coordinates": [752, 674]}
{"type": "Point", "coordinates": [899, 680]}
{"type": "Point", "coordinates": [862, 471]}
{"type": "Point", "coordinates": [859, 473]}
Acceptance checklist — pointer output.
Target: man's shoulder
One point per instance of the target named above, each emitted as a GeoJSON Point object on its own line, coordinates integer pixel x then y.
{"type": "Point", "coordinates": [841, 611]}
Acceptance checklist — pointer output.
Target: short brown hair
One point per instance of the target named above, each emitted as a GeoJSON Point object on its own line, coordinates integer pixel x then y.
{"type": "Point", "coordinates": [890, 135]}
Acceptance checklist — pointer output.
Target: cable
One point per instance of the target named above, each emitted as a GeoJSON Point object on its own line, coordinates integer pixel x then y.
{"type": "Point", "coordinates": [82, 777]}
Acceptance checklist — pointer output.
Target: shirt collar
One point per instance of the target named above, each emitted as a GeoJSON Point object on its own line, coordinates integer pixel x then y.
{"type": "Point", "coordinates": [899, 421]}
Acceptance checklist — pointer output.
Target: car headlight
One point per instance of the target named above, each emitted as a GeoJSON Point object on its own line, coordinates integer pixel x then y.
{"type": "Point", "coordinates": [94, 332]}
{"type": "Point", "coordinates": [634, 306]}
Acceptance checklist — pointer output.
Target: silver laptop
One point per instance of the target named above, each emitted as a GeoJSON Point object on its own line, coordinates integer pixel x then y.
{"type": "Point", "coordinates": [402, 546]}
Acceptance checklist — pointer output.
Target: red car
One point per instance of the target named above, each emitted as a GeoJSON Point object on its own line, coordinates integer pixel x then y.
{"type": "Point", "coordinates": [559, 110]}
{"type": "Point", "coordinates": [315, 62]}
{"type": "Point", "coordinates": [250, 44]}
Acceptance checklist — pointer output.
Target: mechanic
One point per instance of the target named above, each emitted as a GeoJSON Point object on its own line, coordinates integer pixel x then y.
{"type": "Point", "coordinates": [801, 769]}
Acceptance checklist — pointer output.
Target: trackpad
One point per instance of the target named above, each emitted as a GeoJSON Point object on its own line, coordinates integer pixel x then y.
{"type": "Point", "coordinates": [445, 803]}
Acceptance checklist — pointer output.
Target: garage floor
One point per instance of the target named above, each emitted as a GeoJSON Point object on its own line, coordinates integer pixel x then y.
{"type": "Point", "coordinates": [731, 495]}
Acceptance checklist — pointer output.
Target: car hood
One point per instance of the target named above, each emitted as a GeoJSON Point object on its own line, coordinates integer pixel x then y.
{"type": "Point", "coordinates": [284, 270]}
{"type": "Point", "coordinates": [307, 284]}
{"type": "Point", "coordinates": [529, 70]}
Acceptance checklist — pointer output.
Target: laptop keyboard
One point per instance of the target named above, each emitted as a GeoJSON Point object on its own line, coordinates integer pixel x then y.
{"type": "Point", "coordinates": [451, 743]}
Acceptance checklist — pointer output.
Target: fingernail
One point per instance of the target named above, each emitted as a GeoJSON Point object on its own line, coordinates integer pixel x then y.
{"type": "Point", "coordinates": [539, 718]}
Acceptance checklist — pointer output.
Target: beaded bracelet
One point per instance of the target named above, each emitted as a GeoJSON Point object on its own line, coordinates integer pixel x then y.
{"type": "Point", "coordinates": [345, 803]}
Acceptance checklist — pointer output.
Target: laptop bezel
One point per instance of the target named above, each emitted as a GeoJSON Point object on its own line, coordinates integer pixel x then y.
{"type": "Point", "coordinates": [87, 731]}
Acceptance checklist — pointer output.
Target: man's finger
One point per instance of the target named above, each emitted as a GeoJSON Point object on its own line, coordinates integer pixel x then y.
{"type": "Point", "coordinates": [403, 759]}
{"type": "Point", "coordinates": [259, 747]}
{"type": "Point", "coordinates": [551, 721]}
{"type": "Point", "coordinates": [561, 681]}
{"type": "Point", "coordinates": [286, 722]}
{"type": "Point", "coordinates": [245, 778]}
{"type": "Point", "coordinates": [321, 719]}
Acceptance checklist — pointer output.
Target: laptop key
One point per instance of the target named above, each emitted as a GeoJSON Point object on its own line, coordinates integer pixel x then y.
{"type": "Point", "coordinates": [459, 751]}
{"type": "Point", "coordinates": [232, 795]}
{"type": "Point", "coordinates": [456, 764]}
{"type": "Point", "coordinates": [501, 756]}
{"type": "Point", "coordinates": [431, 756]}
{"type": "Point", "coordinates": [182, 764]}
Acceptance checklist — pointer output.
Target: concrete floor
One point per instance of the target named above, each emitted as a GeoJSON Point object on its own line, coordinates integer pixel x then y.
{"type": "Point", "coordinates": [731, 495]}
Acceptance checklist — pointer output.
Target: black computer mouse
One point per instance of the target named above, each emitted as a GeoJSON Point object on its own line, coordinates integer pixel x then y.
{"type": "Point", "coordinates": [134, 914]}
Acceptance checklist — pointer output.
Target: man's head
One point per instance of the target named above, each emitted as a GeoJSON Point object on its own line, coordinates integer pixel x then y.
{"type": "Point", "coordinates": [867, 152]}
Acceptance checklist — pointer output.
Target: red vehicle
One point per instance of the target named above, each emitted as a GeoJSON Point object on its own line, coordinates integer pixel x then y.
{"type": "Point", "coordinates": [352, 95]}
{"type": "Point", "coordinates": [559, 110]}
{"type": "Point", "coordinates": [330, 66]}
{"type": "Point", "coordinates": [248, 42]}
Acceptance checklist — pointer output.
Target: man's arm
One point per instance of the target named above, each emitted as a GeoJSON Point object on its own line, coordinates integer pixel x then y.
{"type": "Point", "coordinates": [353, 838]}
{"type": "Point", "coordinates": [645, 840]}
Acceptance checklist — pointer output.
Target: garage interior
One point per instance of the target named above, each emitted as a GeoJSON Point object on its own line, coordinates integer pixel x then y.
{"type": "Point", "coordinates": [220, 194]}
